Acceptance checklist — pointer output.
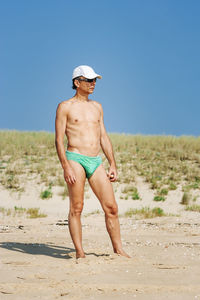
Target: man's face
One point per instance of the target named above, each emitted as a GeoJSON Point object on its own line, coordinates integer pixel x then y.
{"type": "Point", "coordinates": [86, 85]}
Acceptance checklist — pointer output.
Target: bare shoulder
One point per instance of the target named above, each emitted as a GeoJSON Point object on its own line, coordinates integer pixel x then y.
{"type": "Point", "coordinates": [98, 105]}
{"type": "Point", "coordinates": [64, 105]}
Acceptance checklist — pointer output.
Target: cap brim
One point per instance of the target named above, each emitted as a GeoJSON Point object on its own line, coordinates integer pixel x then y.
{"type": "Point", "coordinates": [94, 76]}
{"type": "Point", "coordinates": [89, 77]}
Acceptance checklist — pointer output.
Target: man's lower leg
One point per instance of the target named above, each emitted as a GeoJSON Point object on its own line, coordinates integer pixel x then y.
{"type": "Point", "coordinates": [113, 228]}
{"type": "Point", "coordinates": [75, 229]}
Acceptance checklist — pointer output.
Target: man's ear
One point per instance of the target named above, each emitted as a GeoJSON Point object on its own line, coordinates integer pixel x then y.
{"type": "Point", "coordinates": [76, 82]}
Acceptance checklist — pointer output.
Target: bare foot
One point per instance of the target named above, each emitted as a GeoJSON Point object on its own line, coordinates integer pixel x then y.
{"type": "Point", "coordinates": [122, 253]}
{"type": "Point", "coordinates": [80, 255]}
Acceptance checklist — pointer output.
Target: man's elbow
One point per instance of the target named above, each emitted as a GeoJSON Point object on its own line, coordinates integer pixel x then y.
{"type": "Point", "coordinates": [103, 141]}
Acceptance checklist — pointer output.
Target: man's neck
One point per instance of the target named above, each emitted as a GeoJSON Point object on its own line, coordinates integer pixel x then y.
{"type": "Point", "coordinates": [81, 96]}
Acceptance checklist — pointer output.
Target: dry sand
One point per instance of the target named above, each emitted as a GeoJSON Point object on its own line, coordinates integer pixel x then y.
{"type": "Point", "coordinates": [37, 258]}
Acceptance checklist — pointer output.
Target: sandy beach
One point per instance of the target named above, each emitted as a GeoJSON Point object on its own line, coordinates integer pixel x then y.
{"type": "Point", "coordinates": [159, 207]}
{"type": "Point", "coordinates": [38, 258]}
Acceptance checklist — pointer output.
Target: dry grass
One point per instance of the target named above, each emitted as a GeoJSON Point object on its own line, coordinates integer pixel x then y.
{"type": "Point", "coordinates": [24, 154]}
{"type": "Point", "coordinates": [193, 207]}
{"type": "Point", "coordinates": [185, 198]}
{"type": "Point", "coordinates": [34, 213]}
{"type": "Point", "coordinates": [95, 212]}
{"type": "Point", "coordinates": [64, 193]}
{"type": "Point", "coordinates": [145, 213]}
{"type": "Point", "coordinates": [19, 211]}
{"type": "Point", "coordinates": [165, 162]}
{"type": "Point", "coordinates": [131, 192]}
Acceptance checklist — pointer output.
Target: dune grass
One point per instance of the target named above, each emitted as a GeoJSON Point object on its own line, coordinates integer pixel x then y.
{"type": "Point", "coordinates": [165, 162]}
{"type": "Point", "coordinates": [24, 155]}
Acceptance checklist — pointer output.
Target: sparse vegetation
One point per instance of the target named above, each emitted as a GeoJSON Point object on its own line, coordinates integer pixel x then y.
{"type": "Point", "coordinates": [60, 181]}
{"type": "Point", "coordinates": [19, 211]}
{"type": "Point", "coordinates": [165, 163]}
{"type": "Point", "coordinates": [159, 198]}
{"type": "Point", "coordinates": [193, 186]}
{"type": "Point", "coordinates": [161, 160]}
{"type": "Point", "coordinates": [95, 212]}
{"type": "Point", "coordinates": [145, 212]}
{"type": "Point", "coordinates": [172, 186]}
{"type": "Point", "coordinates": [5, 211]}
{"type": "Point", "coordinates": [135, 195]}
{"type": "Point", "coordinates": [10, 181]}
{"type": "Point", "coordinates": [193, 207]}
{"type": "Point", "coordinates": [163, 192]}
{"type": "Point", "coordinates": [34, 213]}
{"type": "Point", "coordinates": [64, 193]}
{"type": "Point", "coordinates": [46, 194]}
{"type": "Point", "coordinates": [185, 198]}
{"type": "Point", "coordinates": [130, 191]}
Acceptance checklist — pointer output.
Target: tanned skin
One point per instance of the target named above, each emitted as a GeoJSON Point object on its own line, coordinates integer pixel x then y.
{"type": "Point", "coordinates": [81, 120]}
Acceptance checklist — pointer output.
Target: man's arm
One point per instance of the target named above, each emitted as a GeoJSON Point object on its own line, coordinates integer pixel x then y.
{"type": "Point", "coordinates": [60, 127]}
{"type": "Point", "coordinates": [107, 148]}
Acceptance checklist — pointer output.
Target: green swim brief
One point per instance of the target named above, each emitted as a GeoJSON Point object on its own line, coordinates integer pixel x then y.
{"type": "Point", "coordinates": [89, 163]}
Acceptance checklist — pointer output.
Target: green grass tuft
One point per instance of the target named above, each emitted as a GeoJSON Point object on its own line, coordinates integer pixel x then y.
{"type": "Point", "coordinates": [46, 194]}
{"type": "Point", "coordinates": [172, 186]}
{"type": "Point", "coordinates": [163, 192]}
{"type": "Point", "coordinates": [159, 198]}
{"type": "Point", "coordinates": [135, 195]}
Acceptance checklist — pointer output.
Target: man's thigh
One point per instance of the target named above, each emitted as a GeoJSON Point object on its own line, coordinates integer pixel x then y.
{"type": "Point", "coordinates": [102, 187]}
{"type": "Point", "coordinates": [76, 190]}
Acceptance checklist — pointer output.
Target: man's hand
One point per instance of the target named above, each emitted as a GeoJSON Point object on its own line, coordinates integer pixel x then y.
{"type": "Point", "coordinates": [69, 175]}
{"type": "Point", "coordinates": [112, 174]}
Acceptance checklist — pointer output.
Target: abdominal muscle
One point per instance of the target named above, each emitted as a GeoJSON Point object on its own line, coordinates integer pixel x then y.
{"type": "Point", "coordinates": [84, 138]}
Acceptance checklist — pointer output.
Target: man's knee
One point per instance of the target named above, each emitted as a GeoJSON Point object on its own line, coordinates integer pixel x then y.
{"type": "Point", "coordinates": [76, 209]}
{"type": "Point", "coordinates": [111, 210]}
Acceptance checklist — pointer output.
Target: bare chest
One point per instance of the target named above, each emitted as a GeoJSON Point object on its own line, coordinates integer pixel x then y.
{"type": "Point", "coordinates": [80, 113]}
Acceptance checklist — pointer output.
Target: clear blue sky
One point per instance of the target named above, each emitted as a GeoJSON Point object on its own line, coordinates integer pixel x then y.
{"type": "Point", "coordinates": [148, 52]}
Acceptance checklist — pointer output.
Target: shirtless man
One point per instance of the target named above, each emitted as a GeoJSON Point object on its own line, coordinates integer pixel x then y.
{"type": "Point", "coordinates": [81, 119]}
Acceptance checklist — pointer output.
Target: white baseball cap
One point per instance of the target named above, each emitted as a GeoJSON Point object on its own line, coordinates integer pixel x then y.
{"type": "Point", "coordinates": [86, 72]}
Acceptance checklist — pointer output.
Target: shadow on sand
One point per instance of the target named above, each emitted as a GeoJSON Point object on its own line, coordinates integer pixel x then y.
{"type": "Point", "coordinates": [43, 249]}
{"type": "Point", "coordinates": [39, 249]}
